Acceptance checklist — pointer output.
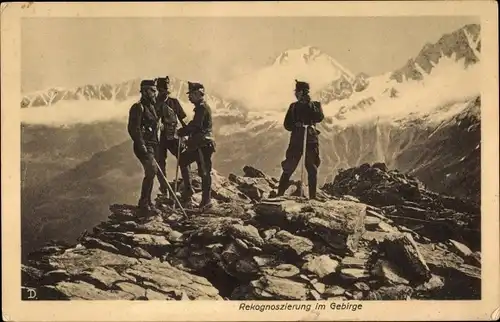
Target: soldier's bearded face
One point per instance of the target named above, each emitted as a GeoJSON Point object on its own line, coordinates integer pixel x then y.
{"type": "Point", "coordinates": [299, 94]}
{"type": "Point", "coordinates": [151, 94]}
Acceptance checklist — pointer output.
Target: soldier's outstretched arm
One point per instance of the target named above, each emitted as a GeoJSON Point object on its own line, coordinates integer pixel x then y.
{"type": "Point", "coordinates": [181, 114]}
{"type": "Point", "coordinates": [196, 123]}
{"type": "Point", "coordinates": [317, 115]}
{"type": "Point", "coordinates": [289, 122]}
{"type": "Point", "coordinates": [134, 124]}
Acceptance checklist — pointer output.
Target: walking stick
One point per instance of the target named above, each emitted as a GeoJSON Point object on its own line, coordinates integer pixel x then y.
{"type": "Point", "coordinates": [303, 161]}
{"type": "Point", "coordinates": [178, 148]}
{"type": "Point", "coordinates": [170, 189]}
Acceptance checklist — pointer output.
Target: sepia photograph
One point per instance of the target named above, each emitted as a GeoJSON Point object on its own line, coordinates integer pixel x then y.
{"type": "Point", "coordinates": [308, 164]}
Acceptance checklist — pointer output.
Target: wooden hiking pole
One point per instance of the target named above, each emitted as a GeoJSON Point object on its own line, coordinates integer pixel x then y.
{"type": "Point", "coordinates": [302, 187]}
{"type": "Point", "coordinates": [178, 146]}
{"type": "Point", "coordinates": [170, 189]}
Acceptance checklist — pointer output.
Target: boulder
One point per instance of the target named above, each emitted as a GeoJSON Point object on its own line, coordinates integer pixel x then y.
{"type": "Point", "coordinates": [321, 266]}
{"type": "Point", "coordinates": [402, 250]}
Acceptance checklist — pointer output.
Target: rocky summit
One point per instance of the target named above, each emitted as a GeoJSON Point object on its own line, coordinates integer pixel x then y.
{"type": "Point", "coordinates": [373, 234]}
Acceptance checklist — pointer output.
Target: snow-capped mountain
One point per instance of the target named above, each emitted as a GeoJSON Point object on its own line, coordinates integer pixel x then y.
{"type": "Point", "coordinates": [114, 93]}
{"type": "Point", "coordinates": [463, 44]}
{"type": "Point", "coordinates": [271, 87]}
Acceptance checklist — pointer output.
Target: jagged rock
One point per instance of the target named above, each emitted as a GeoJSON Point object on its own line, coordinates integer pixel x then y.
{"type": "Point", "coordinates": [55, 276]}
{"type": "Point", "coordinates": [459, 248]}
{"type": "Point", "coordinates": [76, 261]}
{"type": "Point", "coordinates": [285, 242]}
{"type": "Point", "coordinates": [399, 292]}
{"type": "Point", "coordinates": [384, 227]}
{"type": "Point", "coordinates": [361, 286]}
{"type": "Point", "coordinates": [460, 281]}
{"type": "Point", "coordinates": [279, 289]}
{"type": "Point", "coordinates": [209, 229]}
{"type": "Point", "coordinates": [412, 204]}
{"type": "Point", "coordinates": [224, 191]}
{"type": "Point", "coordinates": [357, 295]}
{"type": "Point", "coordinates": [402, 250]}
{"type": "Point", "coordinates": [90, 242]}
{"type": "Point", "coordinates": [138, 292]}
{"type": "Point", "coordinates": [372, 222]}
{"type": "Point", "coordinates": [473, 259]}
{"type": "Point", "coordinates": [319, 287]}
{"type": "Point", "coordinates": [255, 188]}
{"type": "Point", "coordinates": [350, 198]}
{"type": "Point", "coordinates": [282, 270]}
{"type": "Point", "coordinates": [229, 209]}
{"type": "Point", "coordinates": [247, 266]}
{"type": "Point", "coordinates": [339, 223]}
{"type": "Point", "coordinates": [430, 288]}
{"type": "Point", "coordinates": [103, 277]}
{"type": "Point", "coordinates": [251, 172]}
{"type": "Point", "coordinates": [269, 233]}
{"type": "Point", "coordinates": [353, 262]}
{"type": "Point", "coordinates": [247, 233]}
{"type": "Point", "coordinates": [266, 260]}
{"type": "Point", "coordinates": [287, 247]}
{"type": "Point", "coordinates": [165, 278]}
{"type": "Point", "coordinates": [354, 273]}
{"type": "Point", "coordinates": [321, 265]}
{"type": "Point", "coordinates": [334, 290]}
{"type": "Point", "coordinates": [147, 240]}
{"type": "Point", "coordinates": [315, 295]}
{"type": "Point", "coordinates": [388, 272]}
{"type": "Point", "coordinates": [80, 291]}
{"type": "Point", "coordinates": [30, 276]}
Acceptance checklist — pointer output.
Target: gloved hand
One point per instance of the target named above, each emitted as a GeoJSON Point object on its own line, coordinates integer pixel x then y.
{"type": "Point", "coordinates": [143, 149]}
{"type": "Point", "coordinates": [182, 143]}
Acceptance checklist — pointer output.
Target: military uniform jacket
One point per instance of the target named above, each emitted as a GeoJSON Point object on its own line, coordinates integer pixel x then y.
{"type": "Point", "coordinates": [308, 113]}
{"type": "Point", "coordinates": [199, 129]}
{"type": "Point", "coordinates": [143, 123]}
{"type": "Point", "coordinates": [170, 110]}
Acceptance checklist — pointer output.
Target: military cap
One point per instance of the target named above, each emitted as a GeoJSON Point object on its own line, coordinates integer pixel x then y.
{"type": "Point", "coordinates": [301, 86]}
{"type": "Point", "coordinates": [148, 83]}
{"type": "Point", "coordinates": [192, 87]}
{"type": "Point", "coordinates": [163, 82]}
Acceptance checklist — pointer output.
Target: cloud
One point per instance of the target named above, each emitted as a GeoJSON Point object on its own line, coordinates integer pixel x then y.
{"type": "Point", "coordinates": [66, 113]}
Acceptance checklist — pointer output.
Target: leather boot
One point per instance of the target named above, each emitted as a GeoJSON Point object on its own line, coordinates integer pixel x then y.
{"type": "Point", "coordinates": [206, 189]}
{"type": "Point", "coordinates": [283, 184]}
{"type": "Point", "coordinates": [312, 182]}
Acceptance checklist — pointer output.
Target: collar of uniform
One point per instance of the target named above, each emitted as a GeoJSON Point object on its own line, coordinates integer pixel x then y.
{"type": "Point", "coordinates": [200, 104]}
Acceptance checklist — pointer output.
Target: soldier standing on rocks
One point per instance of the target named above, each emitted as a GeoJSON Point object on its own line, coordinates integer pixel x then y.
{"type": "Point", "coordinates": [200, 145]}
{"type": "Point", "coordinates": [143, 128]}
{"type": "Point", "coordinates": [303, 112]}
{"type": "Point", "coordinates": [169, 110]}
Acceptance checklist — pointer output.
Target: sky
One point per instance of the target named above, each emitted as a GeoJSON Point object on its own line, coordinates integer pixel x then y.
{"type": "Point", "coordinates": [69, 52]}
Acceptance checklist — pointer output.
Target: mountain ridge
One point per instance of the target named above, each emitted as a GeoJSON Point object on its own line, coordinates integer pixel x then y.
{"type": "Point", "coordinates": [253, 246]}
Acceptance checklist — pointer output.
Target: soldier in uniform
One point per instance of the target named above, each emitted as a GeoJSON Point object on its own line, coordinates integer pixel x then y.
{"type": "Point", "coordinates": [169, 110]}
{"type": "Point", "coordinates": [300, 113]}
{"type": "Point", "coordinates": [143, 127]}
{"type": "Point", "coordinates": [200, 145]}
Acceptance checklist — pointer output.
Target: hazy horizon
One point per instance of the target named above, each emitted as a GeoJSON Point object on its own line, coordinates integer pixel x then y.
{"type": "Point", "coordinates": [68, 52]}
